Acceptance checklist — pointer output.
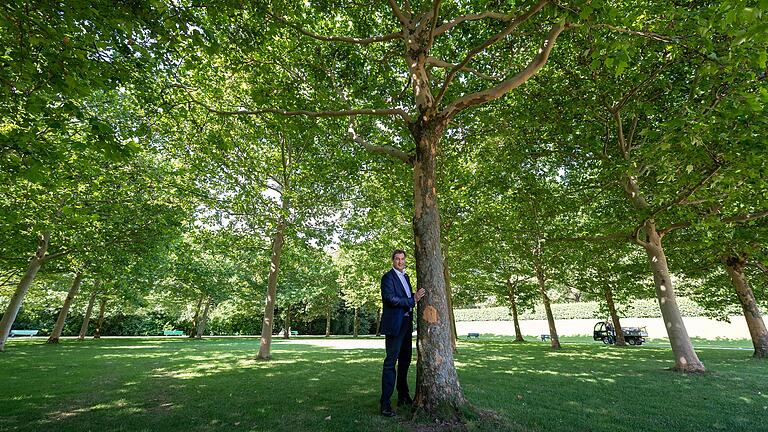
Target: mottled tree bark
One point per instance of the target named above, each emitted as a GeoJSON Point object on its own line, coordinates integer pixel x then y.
{"type": "Point", "coordinates": [59, 326]}
{"type": "Point", "coordinates": [512, 293]}
{"type": "Point", "coordinates": [100, 322]}
{"type": "Point", "coordinates": [540, 277]}
{"type": "Point", "coordinates": [203, 320]}
{"type": "Point", "coordinates": [437, 384]}
{"type": "Point", "coordinates": [88, 311]}
{"type": "Point", "coordinates": [356, 323]}
{"type": "Point", "coordinates": [686, 359]}
{"type": "Point", "coordinates": [620, 341]}
{"type": "Point", "coordinates": [269, 308]}
{"type": "Point", "coordinates": [757, 330]}
{"type": "Point", "coordinates": [196, 317]}
{"type": "Point", "coordinates": [328, 322]}
{"type": "Point", "coordinates": [21, 289]}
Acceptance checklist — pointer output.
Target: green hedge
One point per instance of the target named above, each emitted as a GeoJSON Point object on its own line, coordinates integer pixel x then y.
{"type": "Point", "coordinates": [582, 310]}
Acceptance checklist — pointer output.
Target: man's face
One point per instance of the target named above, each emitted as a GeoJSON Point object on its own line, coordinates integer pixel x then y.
{"type": "Point", "coordinates": [398, 262]}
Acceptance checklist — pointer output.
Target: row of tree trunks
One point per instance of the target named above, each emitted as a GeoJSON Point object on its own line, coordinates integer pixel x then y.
{"type": "Point", "coordinates": [620, 341]}
{"type": "Point", "coordinates": [23, 286]}
{"type": "Point", "coordinates": [512, 293]}
{"type": "Point", "coordinates": [88, 311]}
{"type": "Point", "coordinates": [59, 326]}
{"type": "Point", "coordinates": [540, 277]}
{"type": "Point", "coordinates": [734, 265]}
{"type": "Point", "coordinates": [100, 322]}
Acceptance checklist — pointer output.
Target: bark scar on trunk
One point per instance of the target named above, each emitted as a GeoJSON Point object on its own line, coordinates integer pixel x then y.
{"type": "Point", "coordinates": [430, 314]}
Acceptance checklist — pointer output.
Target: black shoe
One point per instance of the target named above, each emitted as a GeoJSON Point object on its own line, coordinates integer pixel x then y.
{"type": "Point", "coordinates": [386, 410]}
{"type": "Point", "coordinates": [407, 401]}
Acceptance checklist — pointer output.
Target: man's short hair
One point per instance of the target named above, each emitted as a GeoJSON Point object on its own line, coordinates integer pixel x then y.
{"type": "Point", "coordinates": [398, 252]}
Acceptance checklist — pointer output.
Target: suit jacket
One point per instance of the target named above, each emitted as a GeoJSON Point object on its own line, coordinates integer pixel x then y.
{"type": "Point", "coordinates": [396, 303]}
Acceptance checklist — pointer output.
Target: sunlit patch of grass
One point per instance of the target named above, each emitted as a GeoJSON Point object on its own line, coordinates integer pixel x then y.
{"type": "Point", "coordinates": [219, 385]}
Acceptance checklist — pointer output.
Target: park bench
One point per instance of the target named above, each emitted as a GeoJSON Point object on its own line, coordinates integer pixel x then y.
{"type": "Point", "coordinates": [173, 333]}
{"type": "Point", "coordinates": [29, 333]}
{"type": "Point", "coordinates": [294, 332]}
{"type": "Point", "coordinates": [545, 337]}
{"type": "Point", "coordinates": [473, 335]}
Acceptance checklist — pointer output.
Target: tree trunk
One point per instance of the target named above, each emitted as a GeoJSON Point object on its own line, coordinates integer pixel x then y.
{"type": "Point", "coordinates": [735, 267]}
{"type": "Point", "coordinates": [88, 311]}
{"type": "Point", "coordinates": [328, 322]}
{"type": "Point", "coordinates": [59, 326]}
{"type": "Point", "coordinates": [553, 337]}
{"type": "Point", "coordinates": [378, 322]}
{"type": "Point", "coordinates": [437, 385]}
{"type": "Point", "coordinates": [21, 289]}
{"type": "Point", "coordinates": [356, 324]}
{"type": "Point", "coordinates": [513, 307]}
{"type": "Point", "coordinates": [686, 359]}
{"type": "Point", "coordinates": [449, 295]}
{"type": "Point", "coordinates": [269, 307]}
{"type": "Point", "coordinates": [196, 317]}
{"type": "Point", "coordinates": [287, 323]}
{"type": "Point", "coordinates": [100, 322]}
{"type": "Point", "coordinates": [204, 320]}
{"type": "Point", "coordinates": [614, 316]}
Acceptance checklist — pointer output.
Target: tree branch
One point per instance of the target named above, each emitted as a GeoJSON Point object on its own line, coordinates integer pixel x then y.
{"type": "Point", "coordinates": [384, 150]}
{"type": "Point", "coordinates": [508, 85]}
{"type": "Point", "coordinates": [352, 40]}
{"type": "Point", "coordinates": [739, 218]}
{"type": "Point", "coordinates": [471, 17]}
{"type": "Point", "coordinates": [488, 42]}
{"type": "Point", "coordinates": [398, 13]}
{"type": "Point", "coordinates": [341, 113]}
{"type": "Point", "coordinates": [684, 195]}
{"type": "Point", "coordinates": [445, 65]}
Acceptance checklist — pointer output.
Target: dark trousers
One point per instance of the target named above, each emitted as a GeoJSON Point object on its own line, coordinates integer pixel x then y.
{"type": "Point", "coordinates": [399, 351]}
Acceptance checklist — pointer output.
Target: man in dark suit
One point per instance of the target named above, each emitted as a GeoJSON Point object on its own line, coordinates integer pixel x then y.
{"type": "Point", "coordinates": [397, 325]}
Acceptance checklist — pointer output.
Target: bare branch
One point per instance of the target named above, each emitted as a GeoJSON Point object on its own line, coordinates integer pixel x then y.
{"type": "Point", "coordinates": [488, 42]}
{"type": "Point", "coordinates": [384, 150]}
{"type": "Point", "coordinates": [645, 34]}
{"type": "Point", "coordinates": [685, 194]}
{"type": "Point", "coordinates": [739, 218]}
{"type": "Point", "coordinates": [358, 41]}
{"type": "Point", "coordinates": [607, 237]}
{"type": "Point", "coordinates": [445, 65]}
{"type": "Point", "coordinates": [471, 17]}
{"type": "Point", "coordinates": [508, 85]}
{"type": "Point", "coordinates": [341, 113]}
{"type": "Point", "coordinates": [398, 13]}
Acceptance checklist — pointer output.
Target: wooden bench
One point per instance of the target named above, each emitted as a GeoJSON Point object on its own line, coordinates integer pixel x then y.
{"type": "Point", "coordinates": [173, 333]}
{"type": "Point", "coordinates": [29, 333]}
{"type": "Point", "coordinates": [294, 332]}
{"type": "Point", "coordinates": [545, 337]}
{"type": "Point", "coordinates": [473, 335]}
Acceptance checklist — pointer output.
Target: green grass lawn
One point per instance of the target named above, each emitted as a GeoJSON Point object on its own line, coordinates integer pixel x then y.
{"type": "Point", "coordinates": [176, 384]}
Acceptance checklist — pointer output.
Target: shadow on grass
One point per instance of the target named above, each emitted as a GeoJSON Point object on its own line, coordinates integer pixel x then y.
{"type": "Point", "coordinates": [217, 384]}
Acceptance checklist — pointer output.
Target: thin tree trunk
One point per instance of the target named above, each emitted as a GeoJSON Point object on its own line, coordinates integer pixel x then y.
{"type": "Point", "coordinates": [328, 322]}
{"type": "Point", "coordinates": [378, 322]}
{"type": "Point", "coordinates": [553, 337]}
{"type": "Point", "coordinates": [757, 330]}
{"type": "Point", "coordinates": [100, 322]}
{"type": "Point", "coordinates": [449, 296]}
{"type": "Point", "coordinates": [287, 323]}
{"type": "Point", "coordinates": [88, 311]}
{"type": "Point", "coordinates": [437, 385]}
{"type": "Point", "coordinates": [269, 307]}
{"type": "Point", "coordinates": [196, 317]}
{"type": "Point", "coordinates": [21, 289]}
{"type": "Point", "coordinates": [59, 326]}
{"type": "Point", "coordinates": [686, 359]}
{"type": "Point", "coordinates": [614, 316]}
{"type": "Point", "coordinates": [203, 320]}
{"type": "Point", "coordinates": [513, 306]}
{"type": "Point", "coordinates": [356, 323]}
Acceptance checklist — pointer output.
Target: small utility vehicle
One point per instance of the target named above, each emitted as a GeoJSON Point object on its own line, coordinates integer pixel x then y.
{"type": "Point", "coordinates": [633, 335]}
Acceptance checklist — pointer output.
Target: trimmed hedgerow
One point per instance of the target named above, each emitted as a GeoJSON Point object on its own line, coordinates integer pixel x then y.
{"type": "Point", "coordinates": [581, 310]}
